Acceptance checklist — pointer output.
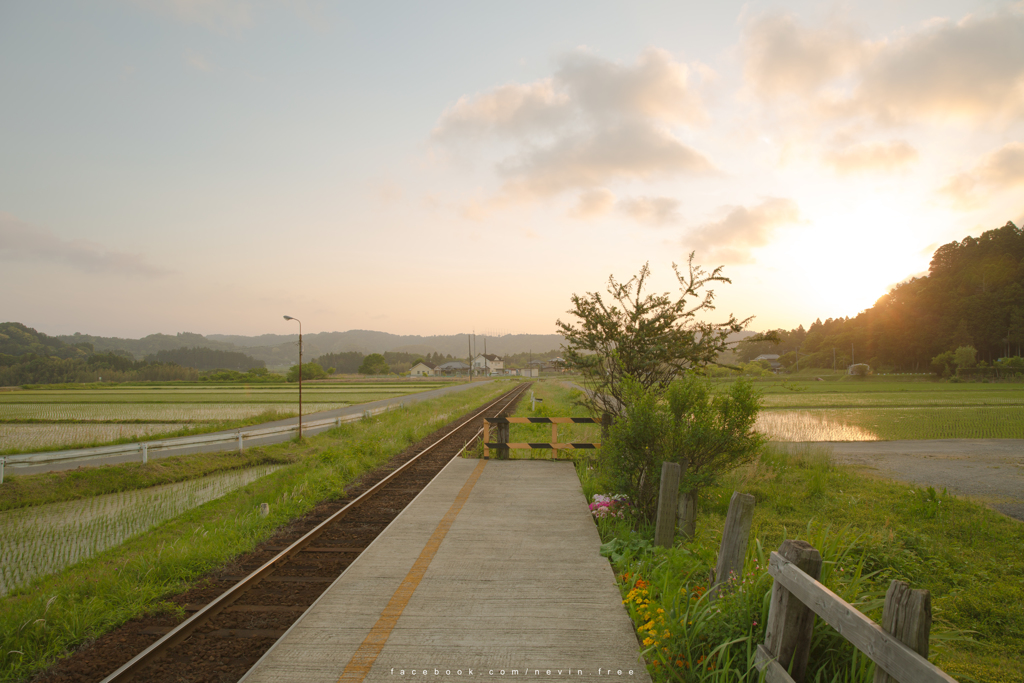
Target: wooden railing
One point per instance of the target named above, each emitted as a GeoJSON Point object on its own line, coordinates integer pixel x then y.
{"type": "Point", "coordinates": [899, 647]}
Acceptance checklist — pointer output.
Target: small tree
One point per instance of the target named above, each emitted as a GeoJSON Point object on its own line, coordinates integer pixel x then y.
{"type": "Point", "coordinates": [309, 371]}
{"type": "Point", "coordinates": [651, 338]}
{"type": "Point", "coordinates": [374, 364]}
{"type": "Point", "coordinates": [713, 433]}
{"type": "Point", "coordinates": [965, 357]}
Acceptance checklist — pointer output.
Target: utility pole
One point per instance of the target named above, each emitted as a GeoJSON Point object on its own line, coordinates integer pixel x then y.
{"type": "Point", "coordinates": [852, 361]}
{"type": "Point", "coordinates": [469, 350]}
{"type": "Point", "coordinates": [288, 317]}
{"type": "Point", "coordinates": [833, 360]}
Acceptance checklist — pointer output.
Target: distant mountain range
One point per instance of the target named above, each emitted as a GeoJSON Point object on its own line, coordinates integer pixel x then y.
{"type": "Point", "coordinates": [281, 351]}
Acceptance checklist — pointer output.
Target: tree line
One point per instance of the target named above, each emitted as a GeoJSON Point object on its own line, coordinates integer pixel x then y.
{"type": "Point", "coordinates": [202, 358]}
{"type": "Point", "coordinates": [973, 296]}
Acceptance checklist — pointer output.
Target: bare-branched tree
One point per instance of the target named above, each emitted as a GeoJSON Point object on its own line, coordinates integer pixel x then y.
{"type": "Point", "coordinates": [652, 338]}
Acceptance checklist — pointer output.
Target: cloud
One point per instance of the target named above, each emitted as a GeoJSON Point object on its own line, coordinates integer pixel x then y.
{"type": "Point", "coordinates": [651, 210]}
{"type": "Point", "coordinates": [632, 151]}
{"type": "Point", "coordinates": [971, 70]}
{"type": "Point", "coordinates": [20, 241]}
{"type": "Point", "coordinates": [999, 170]}
{"type": "Point", "coordinates": [593, 203]}
{"type": "Point", "coordinates": [592, 123]}
{"type": "Point", "coordinates": [742, 229]}
{"type": "Point", "coordinates": [879, 156]}
{"type": "Point", "coordinates": [510, 110]}
{"type": "Point", "coordinates": [782, 57]}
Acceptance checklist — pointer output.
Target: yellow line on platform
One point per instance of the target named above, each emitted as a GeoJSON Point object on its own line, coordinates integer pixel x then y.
{"type": "Point", "coordinates": [362, 661]}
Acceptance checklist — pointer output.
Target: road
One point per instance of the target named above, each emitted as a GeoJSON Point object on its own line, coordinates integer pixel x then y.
{"type": "Point", "coordinates": [990, 471]}
{"type": "Point", "coordinates": [249, 442]}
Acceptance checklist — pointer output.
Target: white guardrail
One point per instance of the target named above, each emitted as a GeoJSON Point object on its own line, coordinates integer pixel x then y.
{"type": "Point", "coordinates": [144, 447]}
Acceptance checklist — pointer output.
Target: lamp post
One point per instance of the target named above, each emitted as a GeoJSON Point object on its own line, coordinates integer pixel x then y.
{"type": "Point", "coordinates": [288, 317]}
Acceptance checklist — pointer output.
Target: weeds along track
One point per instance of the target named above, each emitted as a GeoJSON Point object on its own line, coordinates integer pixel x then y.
{"type": "Point", "coordinates": [234, 615]}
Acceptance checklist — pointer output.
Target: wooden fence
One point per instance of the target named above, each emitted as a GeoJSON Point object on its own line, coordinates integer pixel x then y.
{"type": "Point", "coordinates": [502, 444]}
{"type": "Point", "coordinates": [899, 650]}
{"type": "Point", "coordinates": [899, 647]}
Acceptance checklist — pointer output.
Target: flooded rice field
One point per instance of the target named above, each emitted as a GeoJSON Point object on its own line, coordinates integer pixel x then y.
{"type": "Point", "coordinates": [809, 425]}
{"type": "Point", "coordinates": [41, 540]}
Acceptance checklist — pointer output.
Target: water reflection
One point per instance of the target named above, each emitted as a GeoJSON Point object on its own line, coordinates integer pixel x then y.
{"type": "Point", "coordinates": [807, 425]}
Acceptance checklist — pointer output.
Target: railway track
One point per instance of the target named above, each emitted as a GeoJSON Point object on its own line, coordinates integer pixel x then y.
{"type": "Point", "coordinates": [238, 614]}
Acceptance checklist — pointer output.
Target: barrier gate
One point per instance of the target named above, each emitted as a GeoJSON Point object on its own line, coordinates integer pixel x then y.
{"type": "Point", "coordinates": [503, 446]}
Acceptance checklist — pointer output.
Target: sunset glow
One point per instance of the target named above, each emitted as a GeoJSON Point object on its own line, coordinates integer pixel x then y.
{"type": "Point", "coordinates": [167, 165]}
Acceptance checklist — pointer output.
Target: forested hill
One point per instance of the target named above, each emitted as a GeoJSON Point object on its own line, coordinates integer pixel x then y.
{"type": "Point", "coordinates": [973, 295]}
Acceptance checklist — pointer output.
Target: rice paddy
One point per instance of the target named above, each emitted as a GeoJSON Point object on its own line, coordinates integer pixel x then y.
{"type": "Point", "coordinates": [34, 436]}
{"type": "Point", "coordinates": [42, 418]}
{"type": "Point", "coordinates": [44, 539]}
{"type": "Point", "coordinates": [891, 410]}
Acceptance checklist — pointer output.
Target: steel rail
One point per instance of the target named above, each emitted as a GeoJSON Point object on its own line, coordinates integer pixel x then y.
{"type": "Point", "coordinates": [185, 629]}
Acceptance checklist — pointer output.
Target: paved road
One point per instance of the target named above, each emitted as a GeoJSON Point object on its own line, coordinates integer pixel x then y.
{"type": "Point", "coordinates": [249, 442]}
{"type": "Point", "coordinates": [989, 470]}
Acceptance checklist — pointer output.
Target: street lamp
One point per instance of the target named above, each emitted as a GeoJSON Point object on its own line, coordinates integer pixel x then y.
{"type": "Point", "coordinates": [288, 317]}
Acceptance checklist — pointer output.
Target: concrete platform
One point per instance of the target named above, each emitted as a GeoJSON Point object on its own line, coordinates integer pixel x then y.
{"type": "Point", "coordinates": [492, 572]}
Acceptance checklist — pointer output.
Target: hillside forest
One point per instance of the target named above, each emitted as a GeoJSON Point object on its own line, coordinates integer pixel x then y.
{"type": "Point", "coordinates": [972, 297]}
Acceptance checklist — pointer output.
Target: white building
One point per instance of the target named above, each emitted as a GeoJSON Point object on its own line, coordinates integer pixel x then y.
{"type": "Point", "coordinates": [423, 369]}
{"type": "Point", "coordinates": [489, 364]}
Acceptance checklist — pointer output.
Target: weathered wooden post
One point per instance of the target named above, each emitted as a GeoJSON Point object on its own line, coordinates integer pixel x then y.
{"type": "Point", "coordinates": [790, 622]}
{"type": "Point", "coordinates": [686, 515]}
{"type": "Point", "coordinates": [665, 524]}
{"type": "Point", "coordinates": [735, 537]}
{"type": "Point", "coordinates": [907, 615]}
{"type": "Point", "coordinates": [502, 438]}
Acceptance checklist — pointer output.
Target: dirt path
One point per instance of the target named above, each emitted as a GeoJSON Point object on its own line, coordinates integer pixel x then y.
{"type": "Point", "coordinates": [988, 470]}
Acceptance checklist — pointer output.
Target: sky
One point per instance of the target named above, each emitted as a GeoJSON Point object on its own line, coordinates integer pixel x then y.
{"type": "Point", "coordinates": [435, 168]}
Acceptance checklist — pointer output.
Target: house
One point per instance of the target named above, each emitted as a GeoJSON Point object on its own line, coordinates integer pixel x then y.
{"type": "Point", "coordinates": [773, 360]}
{"type": "Point", "coordinates": [489, 364]}
{"type": "Point", "coordinates": [452, 368]}
{"type": "Point", "coordinates": [423, 369]}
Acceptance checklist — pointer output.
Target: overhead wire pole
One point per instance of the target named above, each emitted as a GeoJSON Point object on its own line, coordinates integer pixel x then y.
{"type": "Point", "coordinates": [288, 317]}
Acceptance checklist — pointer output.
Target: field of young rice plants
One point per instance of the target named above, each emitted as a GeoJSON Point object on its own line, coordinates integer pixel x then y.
{"type": "Point", "coordinates": [35, 436]}
{"type": "Point", "coordinates": [890, 410]}
{"type": "Point", "coordinates": [58, 417]}
{"type": "Point", "coordinates": [44, 539]}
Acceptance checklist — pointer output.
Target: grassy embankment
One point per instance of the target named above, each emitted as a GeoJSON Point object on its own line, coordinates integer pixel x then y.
{"type": "Point", "coordinates": [869, 532]}
{"type": "Point", "coordinates": [55, 614]}
{"type": "Point", "coordinates": [65, 416]}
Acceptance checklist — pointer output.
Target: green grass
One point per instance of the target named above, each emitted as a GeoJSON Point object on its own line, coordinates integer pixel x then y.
{"type": "Point", "coordinates": [55, 614]}
{"type": "Point", "coordinates": [869, 532]}
{"type": "Point", "coordinates": [20, 491]}
{"type": "Point", "coordinates": [940, 422]}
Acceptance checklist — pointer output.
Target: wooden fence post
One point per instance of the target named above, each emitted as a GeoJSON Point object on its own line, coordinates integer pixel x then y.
{"type": "Point", "coordinates": [735, 537]}
{"type": "Point", "coordinates": [665, 526]}
{"type": "Point", "coordinates": [502, 437]}
{"type": "Point", "coordinates": [487, 436]}
{"type": "Point", "coordinates": [686, 515]}
{"type": "Point", "coordinates": [790, 622]}
{"type": "Point", "coordinates": [907, 615]}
